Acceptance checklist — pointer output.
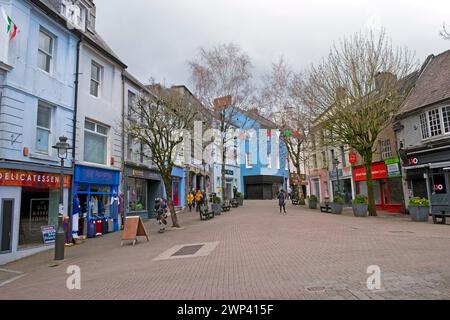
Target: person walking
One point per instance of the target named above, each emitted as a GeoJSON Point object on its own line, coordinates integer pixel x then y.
{"type": "Point", "coordinates": [190, 201]}
{"type": "Point", "coordinates": [198, 199]}
{"type": "Point", "coordinates": [282, 201]}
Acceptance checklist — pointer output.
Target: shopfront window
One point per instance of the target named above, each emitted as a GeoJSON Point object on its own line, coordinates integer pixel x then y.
{"type": "Point", "coordinates": [39, 208]}
{"type": "Point", "coordinates": [438, 187]}
{"type": "Point", "coordinates": [137, 194]}
{"type": "Point", "coordinates": [395, 191]}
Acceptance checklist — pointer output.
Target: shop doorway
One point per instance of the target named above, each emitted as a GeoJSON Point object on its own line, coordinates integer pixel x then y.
{"type": "Point", "coordinates": [35, 210]}
{"type": "Point", "coordinates": [6, 220]}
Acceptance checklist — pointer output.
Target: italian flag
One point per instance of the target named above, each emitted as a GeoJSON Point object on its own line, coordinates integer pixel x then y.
{"type": "Point", "coordinates": [11, 27]}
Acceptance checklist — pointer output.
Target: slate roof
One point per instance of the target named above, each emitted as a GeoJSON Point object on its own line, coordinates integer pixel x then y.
{"type": "Point", "coordinates": [432, 85]}
{"type": "Point", "coordinates": [53, 7]}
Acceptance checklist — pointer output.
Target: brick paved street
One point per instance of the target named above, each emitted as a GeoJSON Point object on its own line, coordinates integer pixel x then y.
{"type": "Point", "coordinates": [253, 253]}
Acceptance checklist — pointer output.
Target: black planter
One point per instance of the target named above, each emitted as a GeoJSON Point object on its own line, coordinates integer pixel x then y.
{"type": "Point", "coordinates": [360, 210]}
{"type": "Point", "coordinates": [337, 208]}
{"type": "Point", "coordinates": [312, 204]}
{"type": "Point", "coordinates": [418, 213]}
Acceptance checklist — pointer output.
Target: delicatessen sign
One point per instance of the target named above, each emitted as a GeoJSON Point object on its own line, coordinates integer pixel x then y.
{"type": "Point", "coordinates": [12, 177]}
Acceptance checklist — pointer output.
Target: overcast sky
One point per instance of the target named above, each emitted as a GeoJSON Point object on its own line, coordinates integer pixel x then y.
{"type": "Point", "coordinates": [156, 38]}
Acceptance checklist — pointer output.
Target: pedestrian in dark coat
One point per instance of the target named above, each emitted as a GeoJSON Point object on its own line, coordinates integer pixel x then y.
{"type": "Point", "coordinates": [282, 201]}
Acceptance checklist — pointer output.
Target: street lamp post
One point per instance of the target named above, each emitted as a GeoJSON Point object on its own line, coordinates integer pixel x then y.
{"type": "Point", "coordinates": [62, 147]}
{"type": "Point", "coordinates": [336, 164]}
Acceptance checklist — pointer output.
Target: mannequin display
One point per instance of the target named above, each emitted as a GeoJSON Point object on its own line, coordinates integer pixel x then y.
{"type": "Point", "coordinates": [94, 206]}
{"type": "Point", "coordinates": [115, 210]}
{"type": "Point", "coordinates": [76, 216]}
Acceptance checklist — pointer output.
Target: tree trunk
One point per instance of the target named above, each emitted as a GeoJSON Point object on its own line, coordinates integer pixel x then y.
{"type": "Point", "coordinates": [173, 215]}
{"type": "Point", "coordinates": [370, 190]}
{"type": "Point", "coordinates": [224, 181]}
{"type": "Point", "coordinates": [300, 187]}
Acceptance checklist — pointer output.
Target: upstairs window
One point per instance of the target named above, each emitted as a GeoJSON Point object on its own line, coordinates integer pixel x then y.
{"type": "Point", "coordinates": [435, 122]}
{"type": "Point", "coordinates": [386, 150]}
{"type": "Point", "coordinates": [45, 51]}
{"type": "Point", "coordinates": [44, 120]}
{"type": "Point", "coordinates": [96, 71]}
{"type": "Point", "coordinates": [95, 142]}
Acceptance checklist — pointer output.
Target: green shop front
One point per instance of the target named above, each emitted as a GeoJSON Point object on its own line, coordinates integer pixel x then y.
{"type": "Point", "coordinates": [142, 187]}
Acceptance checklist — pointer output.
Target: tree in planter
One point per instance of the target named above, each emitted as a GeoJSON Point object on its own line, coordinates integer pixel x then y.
{"type": "Point", "coordinates": [222, 80]}
{"type": "Point", "coordinates": [159, 119]}
{"type": "Point", "coordinates": [356, 92]}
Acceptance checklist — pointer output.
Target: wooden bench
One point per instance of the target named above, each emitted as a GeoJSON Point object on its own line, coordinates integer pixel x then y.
{"type": "Point", "coordinates": [440, 215]}
{"type": "Point", "coordinates": [234, 203]}
{"type": "Point", "coordinates": [226, 206]}
{"type": "Point", "coordinates": [325, 207]}
{"type": "Point", "coordinates": [205, 214]}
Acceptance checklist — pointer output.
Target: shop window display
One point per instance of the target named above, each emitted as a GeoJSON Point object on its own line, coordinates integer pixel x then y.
{"type": "Point", "coordinates": [137, 194]}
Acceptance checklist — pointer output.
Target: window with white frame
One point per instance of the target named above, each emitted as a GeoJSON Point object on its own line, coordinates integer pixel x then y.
{"type": "Point", "coordinates": [248, 160]}
{"type": "Point", "coordinates": [45, 50]}
{"type": "Point", "coordinates": [96, 72]}
{"type": "Point", "coordinates": [435, 122]}
{"type": "Point", "coordinates": [386, 150]}
{"type": "Point", "coordinates": [44, 121]}
{"type": "Point", "coordinates": [424, 126]}
{"type": "Point", "coordinates": [315, 161]}
{"type": "Point", "coordinates": [131, 102]}
{"type": "Point", "coordinates": [95, 142]}
{"type": "Point", "coordinates": [446, 118]}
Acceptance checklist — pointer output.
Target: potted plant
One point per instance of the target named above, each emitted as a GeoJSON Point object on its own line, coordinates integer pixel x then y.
{"type": "Point", "coordinates": [312, 201]}
{"type": "Point", "coordinates": [240, 198]}
{"type": "Point", "coordinates": [419, 209]}
{"type": "Point", "coordinates": [216, 206]}
{"type": "Point", "coordinates": [338, 205]}
{"type": "Point", "coordinates": [360, 206]}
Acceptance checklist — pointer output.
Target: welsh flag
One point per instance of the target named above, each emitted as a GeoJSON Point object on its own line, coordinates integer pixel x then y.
{"type": "Point", "coordinates": [11, 27]}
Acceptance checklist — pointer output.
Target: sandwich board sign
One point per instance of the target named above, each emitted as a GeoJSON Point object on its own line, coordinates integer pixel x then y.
{"type": "Point", "coordinates": [48, 234]}
{"type": "Point", "coordinates": [133, 229]}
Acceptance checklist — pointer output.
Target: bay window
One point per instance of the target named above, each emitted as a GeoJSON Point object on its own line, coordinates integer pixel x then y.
{"type": "Point", "coordinates": [435, 122]}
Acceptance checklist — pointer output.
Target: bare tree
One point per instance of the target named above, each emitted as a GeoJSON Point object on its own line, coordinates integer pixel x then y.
{"type": "Point", "coordinates": [223, 71]}
{"type": "Point", "coordinates": [444, 33]}
{"type": "Point", "coordinates": [160, 119]}
{"type": "Point", "coordinates": [280, 100]}
{"type": "Point", "coordinates": [357, 90]}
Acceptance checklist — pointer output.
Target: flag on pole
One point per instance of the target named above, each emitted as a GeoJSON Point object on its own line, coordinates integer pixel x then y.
{"type": "Point", "coordinates": [11, 27]}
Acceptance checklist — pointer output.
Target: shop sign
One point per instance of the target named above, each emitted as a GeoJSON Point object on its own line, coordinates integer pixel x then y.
{"type": "Point", "coordinates": [48, 234]}
{"type": "Point", "coordinates": [96, 176]}
{"type": "Point", "coordinates": [21, 178]}
{"type": "Point", "coordinates": [146, 175]}
{"type": "Point", "coordinates": [229, 172]}
{"type": "Point", "coordinates": [352, 157]}
{"type": "Point", "coordinates": [379, 171]}
{"type": "Point", "coordinates": [393, 167]}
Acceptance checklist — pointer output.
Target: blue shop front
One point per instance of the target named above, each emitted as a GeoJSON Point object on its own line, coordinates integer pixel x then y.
{"type": "Point", "coordinates": [96, 201]}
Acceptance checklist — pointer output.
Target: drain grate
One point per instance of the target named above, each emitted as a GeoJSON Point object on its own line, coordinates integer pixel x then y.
{"type": "Point", "coordinates": [400, 231]}
{"type": "Point", "coordinates": [188, 250]}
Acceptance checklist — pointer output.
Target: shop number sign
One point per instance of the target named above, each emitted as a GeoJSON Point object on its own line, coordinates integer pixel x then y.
{"type": "Point", "coordinates": [48, 234]}
{"type": "Point", "coordinates": [353, 158]}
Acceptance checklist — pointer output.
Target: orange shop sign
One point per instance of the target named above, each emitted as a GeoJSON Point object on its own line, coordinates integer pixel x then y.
{"type": "Point", "coordinates": [12, 177]}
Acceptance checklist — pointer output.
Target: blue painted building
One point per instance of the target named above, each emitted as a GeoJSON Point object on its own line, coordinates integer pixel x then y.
{"type": "Point", "coordinates": [263, 156]}
{"type": "Point", "coordinates": [37, 92]}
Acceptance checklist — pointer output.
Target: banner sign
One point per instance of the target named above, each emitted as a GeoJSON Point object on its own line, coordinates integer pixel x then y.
{"type": "Point", "coordinates": [13, 177]}
{"type": "Point", "coordinates": [48, 234]}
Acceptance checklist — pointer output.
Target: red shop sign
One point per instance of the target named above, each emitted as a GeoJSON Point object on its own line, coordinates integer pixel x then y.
{"type": "Point", "coordinates": [379, 171]}
{"type": "Point", "coordinates": [13, 177]}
